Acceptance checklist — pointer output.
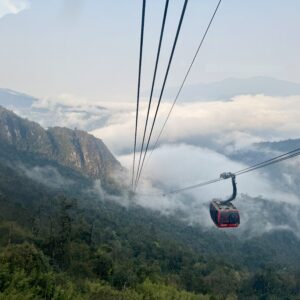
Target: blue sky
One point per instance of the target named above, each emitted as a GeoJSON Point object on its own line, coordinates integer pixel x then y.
{"type": "Point", "coordinates": [89, 48]}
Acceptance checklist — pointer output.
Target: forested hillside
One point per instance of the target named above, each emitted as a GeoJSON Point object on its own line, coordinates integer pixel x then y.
{"type": "Point", "coordinates": [75, 149]}
{"type": "Point", "coordinates": [62, 238]}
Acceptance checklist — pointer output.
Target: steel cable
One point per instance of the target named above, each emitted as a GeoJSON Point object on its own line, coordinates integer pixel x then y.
{"type": "Point", "coordinates": [163, 87]}
{"type": "Point", "coordinates": [266, 163]}
{"type": "Point", "coordinates": [154, 78]}
{"type": "Point", "coordinates": [139, 85]}
{"type": "Point", "coordinates": [185, 78]}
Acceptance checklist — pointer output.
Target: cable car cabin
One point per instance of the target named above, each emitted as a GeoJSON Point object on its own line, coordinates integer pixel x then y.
{"type": "Point", "coordinates": [224, 215]}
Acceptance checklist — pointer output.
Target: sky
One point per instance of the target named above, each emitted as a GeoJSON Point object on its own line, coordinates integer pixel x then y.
{"type": "Point", "coordinates": [84, 54]}
{"type": "Point", "coordinates": [90, 48]}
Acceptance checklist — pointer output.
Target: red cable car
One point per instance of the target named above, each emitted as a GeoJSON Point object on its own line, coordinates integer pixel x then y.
{"type": "Point", "coordinates": [223, 213]}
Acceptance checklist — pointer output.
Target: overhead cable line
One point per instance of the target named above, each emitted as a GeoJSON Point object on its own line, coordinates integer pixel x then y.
{"type": "Point", "coordinates": [163, 88]}
{"type": "Point", "coordinates": [266, 163]}
{"type": "Point", "coordinates": [198, 185]}
{"type": "Point", "coordinates": [185, 78]}
{"type": "Point", "coordinates": [154, 78]}
{"type": "Point", "coordinates": [139, 86]}
{"type": "Point", "coordinates": [269, 163]}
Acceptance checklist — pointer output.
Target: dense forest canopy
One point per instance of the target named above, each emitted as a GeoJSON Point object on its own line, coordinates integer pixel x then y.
{"type": "Point", "coordinates": [61, 241]}
{"type": "Point", "coordinates": [132, 133]}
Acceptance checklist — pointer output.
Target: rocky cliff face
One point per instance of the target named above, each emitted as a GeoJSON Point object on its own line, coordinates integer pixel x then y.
{"type": "Point", "coordinates": [72, 148]}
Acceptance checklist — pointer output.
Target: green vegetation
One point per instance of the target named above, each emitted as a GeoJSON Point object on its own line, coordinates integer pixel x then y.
{"type": "Point", "coordinates": [57, 249]}
{"type": "Point", "coordinates": [64, 241]}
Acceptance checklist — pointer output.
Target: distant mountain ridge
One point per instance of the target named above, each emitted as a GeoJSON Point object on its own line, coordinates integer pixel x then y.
{"type": "Point", "coordinates": [230, 87]}
{"type": "Point", "coordinates": [71, 148]}
{"type": "Point", "coordinates": [284, 145]}
{"type": "Point", "coordinates": [218, 90]}
{"type": "Point", "coordinates": [55, 112]}
{"type": "Point", "coordinates": [10, 98]}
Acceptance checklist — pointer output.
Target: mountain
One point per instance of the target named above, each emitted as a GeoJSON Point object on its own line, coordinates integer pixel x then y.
{"type": "Point", "coordinates": [89, 247]}
{"type": "Point", "coordinates": [283, 146]}
{"type": "Point", "coordinates": [61, 237]}
{"type": "Point", "coordinates": [71, 148]}
{"type": "Point", "coordinates": [55, 112]}
{"type": "Point", "coordinates": [228, 88]}
{"type": "Point", "coordinates": [13, 99]}
{"type": "Point", "coordinates": [262, 151]}
{"type": "Point", "coordinates": [285, 175]}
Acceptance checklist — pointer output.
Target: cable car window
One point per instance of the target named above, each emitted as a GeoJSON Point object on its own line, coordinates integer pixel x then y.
{"type": "Point", "coordinates": [229, 218]}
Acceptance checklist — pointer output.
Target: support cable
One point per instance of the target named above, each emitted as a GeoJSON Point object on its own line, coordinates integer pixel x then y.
{"type": "Point", "coordinates": [184, 80]}
{"type": "Point", "coordinates": [139, 87]}
{"type": "Point", "coordinates": [255, 167]}
{"type": "Point", "coordinates": [154, 78]}
{"type": "Point", "coordinates": [163, 88]}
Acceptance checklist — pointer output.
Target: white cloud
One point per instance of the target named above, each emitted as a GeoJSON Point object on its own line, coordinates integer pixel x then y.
{"type": "Point", "coordinates": [181, 165]}
{"type": "Point", "coordinates": [63, 99]}
{"type": "Point", "coordinates": [176, 166]}
{"type": "Point", "coordinates": [13, 6]}
{"type": "Point", "coordinates": [193, 128]}
{"type": "Point", "coordinates": [47, 175]}
{"type": "Point", "coordinates": [238, 123]}
{"type": "Point", "coordinates": [66, 110]}
{"type": "Point", "coordinates": [229, 125]}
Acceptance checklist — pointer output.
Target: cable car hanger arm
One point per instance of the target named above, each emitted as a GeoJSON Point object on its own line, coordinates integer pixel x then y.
{"type": "Point", "coordinates": [234, 193]}
{"type": "Point", "coordinates": [274, 160]}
